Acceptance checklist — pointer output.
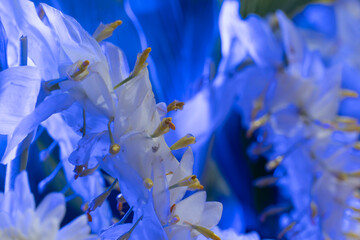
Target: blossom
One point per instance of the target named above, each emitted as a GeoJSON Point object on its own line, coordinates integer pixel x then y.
{"type": "Point", "coordinates": [21, 220]}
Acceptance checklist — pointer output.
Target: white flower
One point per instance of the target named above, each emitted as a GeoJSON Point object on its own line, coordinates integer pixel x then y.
{"type": "Point", "coordinates": [20, 220]}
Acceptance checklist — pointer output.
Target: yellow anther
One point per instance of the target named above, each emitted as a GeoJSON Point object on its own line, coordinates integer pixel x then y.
{"type": "Point", "coordinates": [169, 173]}
{"type": "Point", "coordinates": [355, 209]}
{"type": "Point", "coordinates": [346, 120]}
{"type": "Point", "coordinates": [348, 93]}
{"type": "Point", "coordinates": [114, 149]}
{"type": "Point", "coordinates": [183, 142]}
{"type": "Point", "coordinates": [341, 176]}
{"type": "Point", "coordinates": [192, 182]}
{"type": "Point", "coordinates": [354, 174]}
{"type": "Point", "coordinates": [104, 31]}
{"type": "Point", "coordinates": [140, 62]}
{"type": "Point", "coordinates": [357, 146]}
{"type": "Point", "coordinates": [285, 230]}
{"type": "Point", "coordinates": [80, 71]}
{"type": "Point", "coordinates": [352, 235]}
{"type": "Point", "coordinates": [85, 206]}
{"type": "Point", "coordinates": [254, 125]}
{"type": "Point", "coordinates": [204, 231]}
{"type": "Point", "coordinates": [164, 127]}
{"type": "Point", "coordinates": [357, 194]}
{"type": "Point", "coordinates": [314, 209]}
{"type": "Point", "coordinates": [274, 163]}
{"type": "Point", "coordinates": [148, 183]}
{"type": "Point", "coordinates": [139, 65]}
{"type": "Point", "coordinates": [265, 181]}
{"type": "Point", "coordinates": [174, 220]}
{"type": "Point", "coordinates": [175, 105]}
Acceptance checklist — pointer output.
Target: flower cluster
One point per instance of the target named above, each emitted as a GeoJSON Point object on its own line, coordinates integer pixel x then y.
{"type": "Point", "coordinates": [80, 89]}
{"type": "Point", "coordinates": [295, 97]}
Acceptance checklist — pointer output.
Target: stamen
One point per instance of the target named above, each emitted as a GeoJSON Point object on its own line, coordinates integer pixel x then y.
{"type": "Point", "coordinates": [347, 93]}
{"type": "Point", "coordinates": [274, 163]}
{"type": "Point", "coordinates": [183, 142]}
{"type": "Point", "coordinates": [273, 210]}
{"type": "Point", "coordinates": [127, 235]}
{"type": "Point", "coordinates": [285, 230]}
{"type": "Point", "coordinates": [81, 70]}
{"type": "Point", "coordinates": [357, 146]}
{"type": "Point", "coordinates": [192, 182]}
{"type": "Point", "coordinates": [99, 200]}
{"type": "Point", "coordinates": [148, 183]}
{"type": "Point", "coordinates": [346, 120]}
{"type": "Point", "coordinates": [265, 181]}
{"type": "Point", "coordinates": [169, 173]}
{"type": "Point", "coordinates": [172, 208]}
{"type": "Point", "coordinates": [114, 147]}
{"type": "Point", "coordinates": [254, 125]}
{"type": "Point", "coordinates": [352, 235]}
{"type": "Point", "coordinates": [164, 127]}
{"type": "Point", "coordinates": [104, 31]}
{"type": "Point", "coordinates": [139, 65]}
{"type": "Point", "coordinates": [175, 105]}
{"type": "Point", "coordinates": [204, 231]}
{"type": "Point", "coordinates": [88, 171]}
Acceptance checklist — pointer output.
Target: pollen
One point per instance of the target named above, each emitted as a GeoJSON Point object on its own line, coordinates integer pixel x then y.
{"type": "Point", "coordinates": [265, 181]}
{"type": "Point", "coordinates": [104, 31]}
{"type": "Point", "coordinates": [285, 230]}
{"type": "Point", "coordinates": [183, 142]}
{"type": "Point", "coordinates": [114, 149]}
{"type": "Point", "coordinates": [175, 105]}
{"type": "Point", "coordinates": [164, 127]}
{"type": "Point", "coordinates": [148, 183]}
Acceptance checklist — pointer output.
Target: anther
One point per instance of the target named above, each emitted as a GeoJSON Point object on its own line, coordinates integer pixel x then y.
{"type": "Point", "coordinates": [175, 105]}
{"type": "Point", "coordinates": [204, 231]}
{"type": "Point", "coordinates": [183, 142]}
{"type": "Point", "coordinates": [99, 200]}
{"type": "Point", "coordinates": [148, 183]}
{"type": "Point", "coordinates": [139, 65]}
{"type": "Point", "coordinates": [81, 72]}
{"type": "Point", "coordinates": [164, 127]}
{"type": "Point", "coordinates": [192, 182]}
{"type": "Point", "coordinates": [104, 31]}
{"type": "Point", "coordinates": [254, 125]}
{"type": "Point", "coordinates": [285, 230]}
{"type": "Point", "coordinates": [174, 220]}
{"type": "Point", "coordinates": [114, 149]}
{"type": "Point", "coordinates": [274, 163]}
{"type": "Point", "coordinates": [127, 235]}
{"type": "Point", "coordinates": [347, 93]}
{"type": "Point", "coordinates": [265, 181]}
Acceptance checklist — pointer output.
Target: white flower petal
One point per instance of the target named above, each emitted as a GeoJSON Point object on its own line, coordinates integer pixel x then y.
{"type": "Point", "coordinates": [52, 207]}
{"type": "Point", "coordinates": [19, 88]}
{"type": "Point", "coordinates": [211, 215]}
{"type": "Point", "coordinates": [51, 105]}
{"type": "Point", "coordinates": [78, 229]}
{"type": "Point", "coordinates": [190, 209]}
